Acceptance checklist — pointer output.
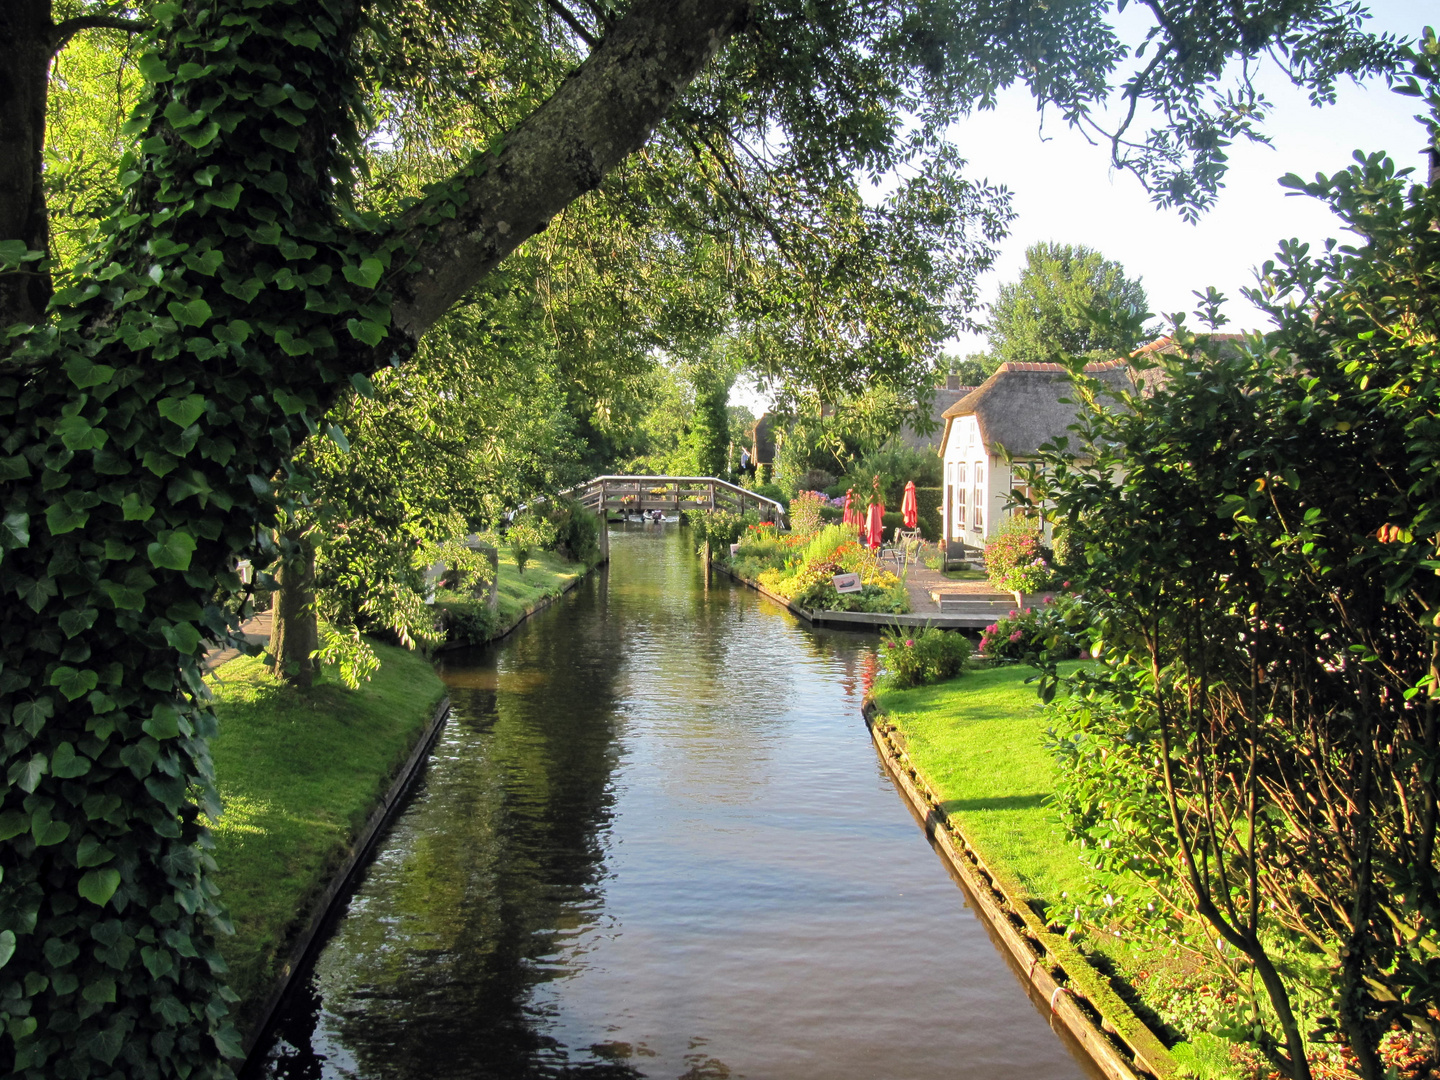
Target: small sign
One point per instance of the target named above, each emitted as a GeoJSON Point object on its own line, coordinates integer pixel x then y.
{"type": "Point", "coordinates": [845, 583]}
{"type": "Point", "coordinates": [734, 550]}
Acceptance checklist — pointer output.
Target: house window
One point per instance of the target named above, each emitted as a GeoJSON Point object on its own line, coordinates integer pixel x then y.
{"type": "Point", "coordinates": [978, 519]}
{"type": "Point", "coordinates": [962, 496]}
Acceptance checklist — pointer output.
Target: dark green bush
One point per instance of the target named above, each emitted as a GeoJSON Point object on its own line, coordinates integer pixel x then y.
{"type": "Point", "coordinates": [922, 657]}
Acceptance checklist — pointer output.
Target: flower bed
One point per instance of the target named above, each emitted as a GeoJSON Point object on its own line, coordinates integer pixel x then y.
{"type": "Point", "coordinates": [799, 568]}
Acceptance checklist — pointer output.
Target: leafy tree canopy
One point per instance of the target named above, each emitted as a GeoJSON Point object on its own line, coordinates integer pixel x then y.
{"type": "Point", "coordinates": [259, 266]}
{"type": "Point", "coordinates": [1069, 301]}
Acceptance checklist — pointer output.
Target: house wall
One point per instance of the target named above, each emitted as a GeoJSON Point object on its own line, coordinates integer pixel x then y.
{"type": "Point", "coordinates": [963, 451]}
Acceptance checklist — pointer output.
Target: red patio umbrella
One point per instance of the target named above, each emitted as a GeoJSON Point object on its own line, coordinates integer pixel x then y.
{"type": "Point", "coordinates": [875, 525]}
{"type": "Point", "coordinates": [909, 508]}
{"type": "Point", "coordinates": [850, 518]}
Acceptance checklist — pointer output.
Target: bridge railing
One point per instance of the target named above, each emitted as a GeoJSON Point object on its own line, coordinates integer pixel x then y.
{"type": "Point", "coordinates": [638, 493]}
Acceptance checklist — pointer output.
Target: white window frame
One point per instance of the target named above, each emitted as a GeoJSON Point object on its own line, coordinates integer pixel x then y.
{"type": "Point", "coordinates": [962, 496]}
{"type": "Point", "coordinates": [979, 515]}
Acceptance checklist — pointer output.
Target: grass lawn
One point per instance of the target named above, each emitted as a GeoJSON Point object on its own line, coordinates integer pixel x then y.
{"type": "Point", "coordinates": [546, 574]}
{"type": "Point", "coordinates": [299, 772]}
{"type": "Point", "coordinates": [979, 743]}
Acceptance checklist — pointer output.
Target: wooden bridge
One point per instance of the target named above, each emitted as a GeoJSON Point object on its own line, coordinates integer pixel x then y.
{"type": "Point", "coordinates": [638, 494]}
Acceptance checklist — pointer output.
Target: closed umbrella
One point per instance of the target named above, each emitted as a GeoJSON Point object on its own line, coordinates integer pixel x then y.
{"type": "Point", "coordinates": [875, 525]}
{"type": "Point", "coordinates": [850, 518]}
{"type": "Point", "coordinates": [909, 508]}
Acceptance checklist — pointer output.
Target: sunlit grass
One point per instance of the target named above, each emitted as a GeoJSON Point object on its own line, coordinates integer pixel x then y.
{"type": "Point", "coordinates": [979, 743]}
{"type": "Point", "coordinates": [298, 773]}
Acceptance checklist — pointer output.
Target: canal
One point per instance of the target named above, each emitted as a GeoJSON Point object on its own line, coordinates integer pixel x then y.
{"type": "Point", "coordinates": [654, 840]}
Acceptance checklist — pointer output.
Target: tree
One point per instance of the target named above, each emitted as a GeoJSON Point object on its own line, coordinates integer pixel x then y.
{"type": "Point", "coordinates": [150, 415]}
{"type": "Point", "coordinates": [1261, 531]}
{"type": "Point", "coordinates": [973, 369]}
{"type": "Point", "coordinates": [1069, 301]}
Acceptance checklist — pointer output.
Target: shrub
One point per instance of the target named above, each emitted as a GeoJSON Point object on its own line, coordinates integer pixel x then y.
{"type": "Point", "coordinates": [577, 531]}
{"type": "Point", "coordinates": [1016, 559]}
{"type": "Point", "coordinates": [918, 659]}
{"type": "Point", "coordinates": [720, 527]}
{"type": "Point", "coordinates": [527, 533]}
{"type": "Point", "coordinates": [1055, 631]}
{"type": "Point", "coordinates": [805, 512]}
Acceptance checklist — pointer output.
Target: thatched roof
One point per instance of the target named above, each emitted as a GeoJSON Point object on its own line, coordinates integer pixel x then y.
{"type": "Point", "coordinates": [1019, 407]}
{"type": "Point", "coordinates": [944, 398]}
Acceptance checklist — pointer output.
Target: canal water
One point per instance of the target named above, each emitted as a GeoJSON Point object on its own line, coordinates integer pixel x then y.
{"type": "Point", "coordinates": [654, 840]}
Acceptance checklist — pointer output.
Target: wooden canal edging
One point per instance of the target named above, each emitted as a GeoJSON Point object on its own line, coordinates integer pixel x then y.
{"type": "Point", "coordinates": [1080, 998]}
{"type": "Point", "coordinates": [346, 876]}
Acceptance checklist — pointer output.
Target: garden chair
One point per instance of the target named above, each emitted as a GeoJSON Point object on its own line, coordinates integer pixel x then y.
{"type": "Point", "coordinates": [903, 549]}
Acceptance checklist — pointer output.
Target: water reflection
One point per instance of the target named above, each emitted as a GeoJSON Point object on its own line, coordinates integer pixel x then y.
{"type": "Point", "coordinates": [654, 841]}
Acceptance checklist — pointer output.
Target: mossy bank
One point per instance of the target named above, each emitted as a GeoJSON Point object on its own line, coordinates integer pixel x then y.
{"type": "Point", "coordinates": [299, 773]}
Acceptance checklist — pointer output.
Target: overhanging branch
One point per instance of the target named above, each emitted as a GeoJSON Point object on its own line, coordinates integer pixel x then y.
{"type": "Point", "coordinates": [603, 113]}
{"type": "Point", "coordinates": [67, 29]}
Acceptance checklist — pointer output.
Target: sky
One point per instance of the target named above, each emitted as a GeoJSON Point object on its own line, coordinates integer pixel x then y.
{"type": "Point", "coordinates": [1064, 190]}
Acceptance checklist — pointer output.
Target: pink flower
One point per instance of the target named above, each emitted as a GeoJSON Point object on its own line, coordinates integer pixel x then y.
{"type": "Point", "coordinates": [910, 644]}
{"type": "Point", "coordinates": [1017, 635]}
{"type": "Point", "coordinates": [1047, 599]}
{"type": "Point", "coordinates": [993, 628]}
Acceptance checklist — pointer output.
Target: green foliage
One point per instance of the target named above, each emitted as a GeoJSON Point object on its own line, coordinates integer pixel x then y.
{"type": "Point", "coordinates": [1053, 632]}
{"type": "Point", "coordinates": [1069, 301]}
{"type": "Point", "coordinates": [526, 533]}
{"type": "Point", "coordinates": [805, 513]}
{"type": "Point", "coordinates": [298, 773]}
{"type": "Point", "coordinates": [922, 657]}
{"type": "Point", "coordinates": [805, 575]}
{"type": "Point", "coordinates": [719, 528]}
{"type": "Point", "coordinates": [1016, 558]}
{"type": "Point", "coordinates": [577, 531]}
{"type": "Point", "coordinates": [244, 285]}
{"type": "Point", "coordinates": [973, 369]}
{"type": "Point", "coordinates": [1260, 538]}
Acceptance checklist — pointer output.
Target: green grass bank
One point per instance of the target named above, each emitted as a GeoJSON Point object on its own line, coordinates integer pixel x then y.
{"type": "Point", "coordinates": [299, 772]}
{"type": "Point", "coordinates": [546, 576]}
{"type": "Point", "coordinates": [978, 742]}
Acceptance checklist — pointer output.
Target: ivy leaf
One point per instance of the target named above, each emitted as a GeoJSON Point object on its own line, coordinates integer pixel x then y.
{"type": "Point", "coordinates": [15, 531]}
{"type": "Point", "coordinates": [84, 374]}
{"type": "Point", "coordinates": [34, 592]}
{"type": "Point", "coordinates": [134, 509]}
{"type": "Point", "coordinates": [159, 462]}
{"type": "Point", "coordinates": [371, 333]}
{"type": "Point", "coordinates": [67, 764]}
{"type": "Point", "coordinates": [153, 69]}
{"type": "Point", "coordinates": [227, 198]}
{"type": "Point", "coordinates": [363, 386]}
{"type": "Point", "coordinates": [191, 313]}
{"type": "Point", "coordinates": [60, 519]}
{"type": "Point", "coordinates": [233, 333]}
{"type": "Point", "coordinates": [366, 275]}
{"type": "Point", "coordinates": [26, 774]}
{"type": "Point", "coordinates": [91, 852]}
{"type": "Point", "coordinates": [164, 721]}
{"type": "Point", "coordinates": [184, 637]}
{"type": "Point", "coordinates": [74, 683]}
{"type": "Point", "coordinates": [7, 946]}
{"type": "Point", "coordinates": [31, 715]}
{"type": "Point", "coordinates": [183, 411]}
{"type": "Point", "coordinates": [98, 886]}
{"type": "Point", "coordinates": [289, 404]}
{"type": "Point", "coordinates": [202, 136]}
{"type": "Point", "coordinates": [172, 550]}
{"type": "Point", "coordinates": [338, 437]}
{"type": "Point", "coordinates": [77, 620]}
{"type": "Point", "coordinates": [293, 346]}
{"type": "Point", "coordinates": [13, 823]}
{"type": "Point", "coordinates": [14, 468]}
{"type": "Point", "coordinates": [77, 433]}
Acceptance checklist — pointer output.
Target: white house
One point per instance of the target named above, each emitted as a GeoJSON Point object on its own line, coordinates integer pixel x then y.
{"type": "Point", "coordinates": [1014, 412]}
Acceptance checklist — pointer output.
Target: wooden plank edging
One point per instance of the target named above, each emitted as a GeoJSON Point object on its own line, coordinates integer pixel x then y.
{"type": "Point", "coordinates": [344, 878]}
{"type": "Point", "coordinates": [1115, 1040]}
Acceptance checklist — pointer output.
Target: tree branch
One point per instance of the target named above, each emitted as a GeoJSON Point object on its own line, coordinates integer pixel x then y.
{"type": "Point", "coordinates": [568, 17]}
{"type": "Point", "coordinates": [64, 31]}
{"type": "Point", "coordinates": [603, 113]}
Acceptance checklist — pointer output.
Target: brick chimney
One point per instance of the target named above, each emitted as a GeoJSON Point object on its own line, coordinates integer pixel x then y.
{"type": "Point", "coordinates": [952, 382]}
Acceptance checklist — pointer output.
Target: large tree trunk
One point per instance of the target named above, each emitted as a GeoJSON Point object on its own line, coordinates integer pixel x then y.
{"type": "Point", "coordinates": [295, 629]}
{"type": "Point", "coordinates": [139, 443]}
{"type": "Point", "coordinates": [26, 35]}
